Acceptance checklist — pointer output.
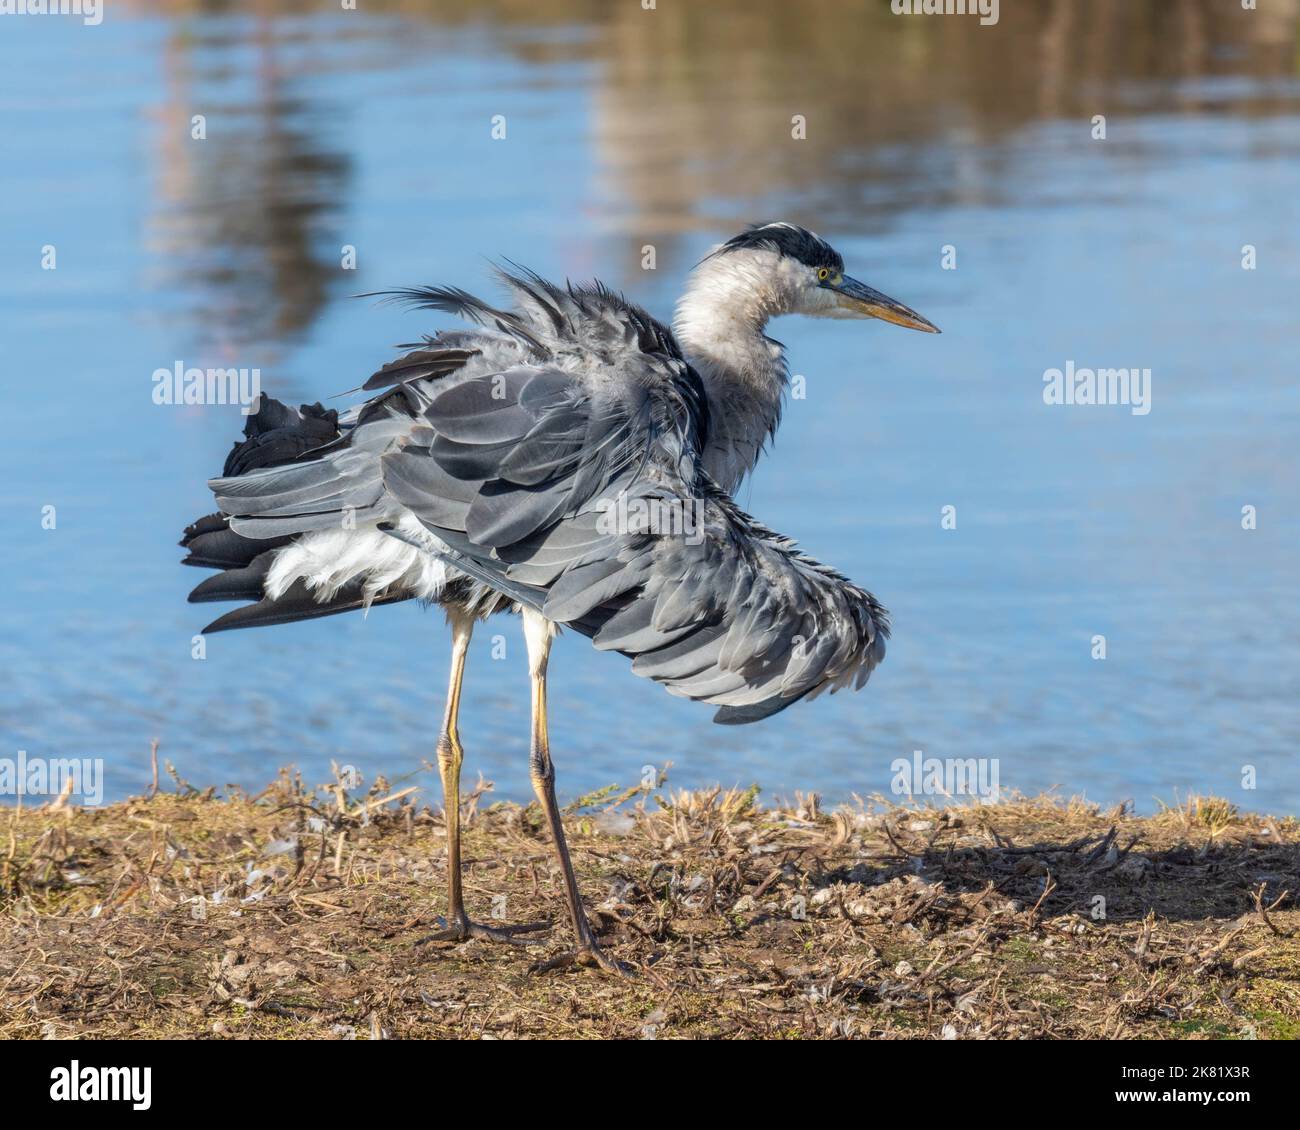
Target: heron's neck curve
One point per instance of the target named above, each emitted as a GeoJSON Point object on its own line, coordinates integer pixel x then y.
{"type": "Point", "coordinates": [719, 323]}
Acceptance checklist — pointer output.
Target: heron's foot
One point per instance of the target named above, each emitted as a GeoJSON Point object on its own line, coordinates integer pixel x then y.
{"type": "Point", "coordinates": [462, 929]}
{"type": "Point", "coordinates": [589, 956]}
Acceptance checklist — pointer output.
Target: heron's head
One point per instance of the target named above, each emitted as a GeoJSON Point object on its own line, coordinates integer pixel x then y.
{"type": "Point", "coordinates": [791, 270]}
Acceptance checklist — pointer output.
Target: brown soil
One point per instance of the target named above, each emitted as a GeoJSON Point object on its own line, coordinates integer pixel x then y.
{"type": "Point", "coordinates": [296, 914]}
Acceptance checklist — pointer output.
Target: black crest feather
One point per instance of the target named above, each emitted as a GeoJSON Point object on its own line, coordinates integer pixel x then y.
{"type": "Point", "coordinates": [786, 239]}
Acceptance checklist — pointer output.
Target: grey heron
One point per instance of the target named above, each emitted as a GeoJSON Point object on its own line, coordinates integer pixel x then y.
{"type": "Point", "coordinates": [527, 464]}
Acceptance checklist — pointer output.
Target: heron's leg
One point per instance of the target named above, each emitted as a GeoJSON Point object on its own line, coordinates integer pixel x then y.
{"type": "Point", "coordinates": [538, 633]}
{"type": "Point", "coordinates": [450, 757]}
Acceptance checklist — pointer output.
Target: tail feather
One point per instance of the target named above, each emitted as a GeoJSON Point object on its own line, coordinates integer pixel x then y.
{"type": "Point", "coordinates": [298, 602]}
{"type": "Point", "coordinates": [275, 436]}
{"type": "Point", "coordinates": [235, 584]}
{"type": "Point", "coordinates": [212, 544]}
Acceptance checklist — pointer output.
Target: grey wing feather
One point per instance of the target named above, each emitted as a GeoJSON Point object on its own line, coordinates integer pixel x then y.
{"type": "Point", "coordinates": [728, 612]}
{"type": "Point", "coordinates": [514, 446]}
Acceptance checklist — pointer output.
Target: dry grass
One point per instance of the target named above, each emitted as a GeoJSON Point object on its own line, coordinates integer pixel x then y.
{"type": "Point", "coordinates": [296, 914]}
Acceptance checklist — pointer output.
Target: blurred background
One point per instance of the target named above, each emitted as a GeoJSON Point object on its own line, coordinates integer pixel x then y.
{"type": "Point", "coordinates": [371, 129]}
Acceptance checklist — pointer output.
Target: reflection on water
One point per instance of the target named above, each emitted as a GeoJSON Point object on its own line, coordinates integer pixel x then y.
{"type": "Point", "coordinates": [249, 224]}
{"type": "Point", "coordinates": [371, 130]}
{"type": "Point", "coordinates": [690, 115]}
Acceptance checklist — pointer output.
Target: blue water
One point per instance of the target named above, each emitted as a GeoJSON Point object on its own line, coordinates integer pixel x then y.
{"type": "Point", "coordinates": [1071, 522]}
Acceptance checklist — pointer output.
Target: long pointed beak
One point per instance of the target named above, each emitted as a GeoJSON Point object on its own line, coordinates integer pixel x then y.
{"type": "Point", "coordinates": [862, 300]}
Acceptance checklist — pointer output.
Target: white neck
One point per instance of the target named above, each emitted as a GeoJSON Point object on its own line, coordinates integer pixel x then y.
{"type": "Point", "coordinates": [719, 323]}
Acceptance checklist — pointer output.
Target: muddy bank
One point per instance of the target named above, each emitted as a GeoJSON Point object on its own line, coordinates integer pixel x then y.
{"type": "Point", "coordinates": [298, 914]}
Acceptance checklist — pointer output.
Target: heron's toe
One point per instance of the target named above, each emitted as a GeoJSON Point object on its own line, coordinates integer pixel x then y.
{"type": "Point", "coordinates": [464, 929]}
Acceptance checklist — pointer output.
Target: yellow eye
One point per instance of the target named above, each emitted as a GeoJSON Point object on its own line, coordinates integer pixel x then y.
{"type": "Point", "coordinates": [823, 273]}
